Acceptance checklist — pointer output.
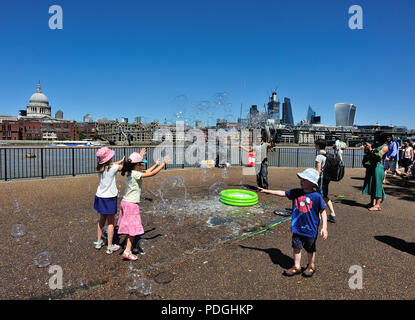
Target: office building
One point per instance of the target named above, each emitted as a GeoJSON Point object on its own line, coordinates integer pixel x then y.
{"type": "Point", "coordinates": [345, 114]}
{"type": "Point", "coordinates": [287, 113]}
{"type": "Point", "coordinates": [310, 113]}
{"type": "Point", "coordinates": [274, 108]}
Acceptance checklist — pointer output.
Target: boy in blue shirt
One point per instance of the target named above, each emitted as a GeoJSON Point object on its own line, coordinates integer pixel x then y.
{"type": "Point", "coordinates": [308, 207]}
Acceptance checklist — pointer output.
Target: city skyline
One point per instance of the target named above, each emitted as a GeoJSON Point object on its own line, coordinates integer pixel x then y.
{"type": "Point", "coordinates": [139, 64]}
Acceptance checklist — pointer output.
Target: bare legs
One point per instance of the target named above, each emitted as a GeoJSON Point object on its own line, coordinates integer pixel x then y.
{"type": "Point", "coordinates": [129, 244]}
{"type": "Point", "coordinates": [376, 205]}
{"type": "Point", "coordinates": [330, 205]}
{"type": "Point", "coordinates": [297, 258]}
{"type": "Point", "coordinates": [101, 223]}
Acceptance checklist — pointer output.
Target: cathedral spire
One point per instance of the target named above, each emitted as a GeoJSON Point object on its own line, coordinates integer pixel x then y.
{"type": "Point", "coordinates": [39, 88]}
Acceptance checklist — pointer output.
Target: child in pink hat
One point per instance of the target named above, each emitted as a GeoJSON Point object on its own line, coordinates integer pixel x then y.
{"type": "Point", "coordinates": [129, 222]}
{"type": "Point", "coordinates": [105, 202]}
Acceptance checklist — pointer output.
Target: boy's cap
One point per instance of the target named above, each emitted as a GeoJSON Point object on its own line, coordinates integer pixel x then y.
{"type": "Point", "coordinates": [310, 174]}
{"type": "Point", "coordinates": [104, 154]}
{"type": "Point", "coordinates": [135, 157]}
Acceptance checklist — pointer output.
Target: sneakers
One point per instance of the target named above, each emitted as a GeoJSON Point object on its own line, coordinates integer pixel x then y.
{"type": "Point", "coordinates": [331, 218]}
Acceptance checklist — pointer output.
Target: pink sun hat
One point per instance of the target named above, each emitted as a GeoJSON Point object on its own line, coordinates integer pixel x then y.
{"type": "Point", "coordinates": [135, 157]}
{"type": "Point", "coordinates": [104, 154]}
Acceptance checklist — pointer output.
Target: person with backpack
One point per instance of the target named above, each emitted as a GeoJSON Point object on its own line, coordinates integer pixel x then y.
{"type": "Point", "coordinates": [324, 162]}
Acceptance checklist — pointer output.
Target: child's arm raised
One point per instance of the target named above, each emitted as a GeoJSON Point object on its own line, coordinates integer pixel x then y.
{"type": "Point", "coordinates": [153, 166]}
{"type": "Point", "coordinates": [156, 170]}
{"type": "Point", "coordinates": [323, 231]}
{"type": "Point", "coordinates": [118, 163]}
{"type": "Point", "coordinates": [279, 193]}
{"type": "Point", "coordinates": [143, 152]}
{"type": "Point", "coordinates": [246, 149]}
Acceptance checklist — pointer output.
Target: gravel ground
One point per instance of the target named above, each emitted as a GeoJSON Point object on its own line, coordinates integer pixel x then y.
{"type": "Point", "coordinates": [198, 248]}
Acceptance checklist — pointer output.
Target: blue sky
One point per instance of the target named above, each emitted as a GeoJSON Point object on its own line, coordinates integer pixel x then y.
{"type": "Point", "coordinates": [134, 58]}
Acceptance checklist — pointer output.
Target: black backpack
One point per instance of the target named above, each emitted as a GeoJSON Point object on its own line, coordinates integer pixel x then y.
{"type": "Point", "coordinates": [334, 168]}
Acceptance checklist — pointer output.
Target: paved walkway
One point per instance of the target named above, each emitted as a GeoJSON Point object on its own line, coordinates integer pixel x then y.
{"type": "Point", "coordinates": [61, 221]}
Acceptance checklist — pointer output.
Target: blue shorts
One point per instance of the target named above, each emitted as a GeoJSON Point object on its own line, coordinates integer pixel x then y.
{"type": "Point", "coordinates": [105, 205]}
{"type": "Point", "coordinates": [300, 242]}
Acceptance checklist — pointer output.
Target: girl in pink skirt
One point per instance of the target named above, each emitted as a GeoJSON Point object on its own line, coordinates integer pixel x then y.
{"type": "Point", "coordinates": [129, 222]}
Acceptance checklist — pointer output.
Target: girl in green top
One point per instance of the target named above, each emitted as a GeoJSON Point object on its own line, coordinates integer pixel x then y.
{"type": "Point", "coordinates": [372, 161]}
{"type": "Point", "coordinates": [129, 222]}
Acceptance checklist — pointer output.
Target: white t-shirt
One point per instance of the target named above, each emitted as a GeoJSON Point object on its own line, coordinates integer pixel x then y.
{"type": "Point", "coordinates": [321, 158]}
{"type": "Point", "coordinates": [107, 187]}
{"type": "Point", "coordinates": [261, 152]}
{"type": "Point", "coordinates": [133, 187]}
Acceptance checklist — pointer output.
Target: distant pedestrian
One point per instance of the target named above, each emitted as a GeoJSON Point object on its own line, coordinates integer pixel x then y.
{"type": "Point", "coordinates": [106, 196]}
{"type": "Point", "coordinates": [373, 184]}
{"type": "Point", "coordinates": [391, 157]}
{"type": "Point", "coordinates": [261, 161]}
{"type": "Point", "coordinates": [323, 182]}
{"type": "Point", "coordinates": [307, 213]}
{"type": "Point", "coordinates": [407, 156]}
{"type": "Point", "coordinates": [129, 222]}
{"type": "Point", "coordinates": [338, 150]}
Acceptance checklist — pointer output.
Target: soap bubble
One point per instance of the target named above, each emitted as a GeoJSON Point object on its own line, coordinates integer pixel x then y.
{"type": "Point", "coordinates": [144, 246]}
{"type": "Point", "coordinates": [234, 228]}
{"type": "Point", "coordinates": [215, 189]}
{"type": "Point", "coordinates": [164, 277]}
{"type": "Point", "coordinates": [201, 107]}
{"type": "Point", "coordinates": [220, 98]}
{"type": "Point", "coordinates": [18, 230]}
{"type": "Point", "coordinates": [31, 215]}
{"type": "Point", "coordinates": [134, 278]}
{"type": "Point", "coordinates": [82, 283]}
{"type": "Point", "coordinates": [42, 259]}
{"type": "Point", "coordinates": [180, 102]}
{"type": "Point", "coordinates": [204, 175]}
{"type": "Point", "coordinates": [224, 172]}
{"type": "Point", "coordinates": [172, 188]}
{"type": "Point", "coordinates": [145, 286]}
{"type": "Point", "coordinates": [145, 219]}
{"type": "Point", "coordinates": [16, 205]}
{"type": "Point", "coordinates": [120, 187]}
{"type": "Point", "coordinates": [32, 234]}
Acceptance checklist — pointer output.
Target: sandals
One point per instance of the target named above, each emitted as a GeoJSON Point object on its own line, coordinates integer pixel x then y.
{"type": "Point", "coordinates": [375, 209]}
{"type": "Point", "coordinates": [309, 271]}
{"type": "Point", "coordinates": [292, 272]}
{"type": "Point", "coordinates": [98, 245]}
{"type": "Point", "coordinates": [113, 248]}
{"type": "Point", "coordinates": [129, 256]}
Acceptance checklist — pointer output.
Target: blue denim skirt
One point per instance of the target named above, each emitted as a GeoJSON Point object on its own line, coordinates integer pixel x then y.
{"type": "Point", "coordinates": [105, 205]}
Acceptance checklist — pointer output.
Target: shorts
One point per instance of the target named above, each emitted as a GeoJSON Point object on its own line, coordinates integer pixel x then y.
{"type": "Point", "coordinates": [303, 242]}
{"type": "Point", "coordinates": [391, 164]}
{"type": "Point", "coordinates": [323, 186]}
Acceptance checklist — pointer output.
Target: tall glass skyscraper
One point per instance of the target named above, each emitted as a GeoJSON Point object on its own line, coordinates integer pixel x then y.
{"type": "Point", "coordinates": [345, 113]}
{"type": "Point", "coordinates": [287, 112]}
{"type": "Point", "coordinates": [310, 114]}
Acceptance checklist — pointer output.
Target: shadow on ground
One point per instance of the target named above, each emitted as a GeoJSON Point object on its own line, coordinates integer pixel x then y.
{"type": "Point", "coordinates": [276, 256]}
{"type": "Point", "coordinates": [402, 245]}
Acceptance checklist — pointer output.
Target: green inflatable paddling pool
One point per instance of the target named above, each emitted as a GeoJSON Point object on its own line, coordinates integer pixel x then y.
{"type": "Point", "coordinates": [239, 198]}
